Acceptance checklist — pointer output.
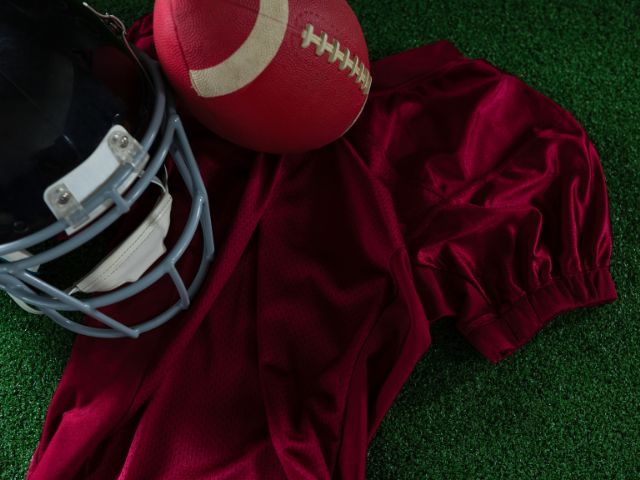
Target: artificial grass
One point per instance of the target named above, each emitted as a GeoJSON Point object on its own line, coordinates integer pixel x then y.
{"type": "Point", "coordinates": [566, 405]}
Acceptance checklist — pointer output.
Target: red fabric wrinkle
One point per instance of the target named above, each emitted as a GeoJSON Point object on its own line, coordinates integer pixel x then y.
{"type": "Point", "coordinates": [460, 192]}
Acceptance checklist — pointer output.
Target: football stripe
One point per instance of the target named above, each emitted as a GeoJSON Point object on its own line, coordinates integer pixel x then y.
{"type": "Point", "coordinates": [255, 54]}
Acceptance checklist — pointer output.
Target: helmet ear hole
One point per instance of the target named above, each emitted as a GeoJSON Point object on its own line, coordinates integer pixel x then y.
{"type": "Point", "coordinates": [20, 227]}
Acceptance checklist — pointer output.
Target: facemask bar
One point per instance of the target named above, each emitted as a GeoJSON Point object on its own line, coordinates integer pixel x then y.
{"type": "Point", "coordinates": [15, 280]}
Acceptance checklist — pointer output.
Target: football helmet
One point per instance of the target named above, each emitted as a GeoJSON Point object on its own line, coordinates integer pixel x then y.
{"type": "Point", "coordinates": [86, 124]}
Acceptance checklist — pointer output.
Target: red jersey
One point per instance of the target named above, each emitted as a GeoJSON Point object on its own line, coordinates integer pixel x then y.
{"type": "Point", "coordinates": [460, 191]}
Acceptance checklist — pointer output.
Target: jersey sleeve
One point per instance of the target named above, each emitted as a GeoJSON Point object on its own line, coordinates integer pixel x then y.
{"type": "Point", "coordinates": [500, 196]}
{"type": "Point", "coordinates": [459, 192]}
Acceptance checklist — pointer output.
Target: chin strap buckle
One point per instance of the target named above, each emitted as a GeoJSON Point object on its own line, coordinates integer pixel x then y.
{"type": "Point", "coordinates": [114, 24]}
{"type": "Point", "coordinates": [111, 21]}
{"type": "Point", "coordinates": [64, 205]}
{"type": "Point", "coordinates": [66, 196]}
{"type": "Point", "coordinates": [127, 150]}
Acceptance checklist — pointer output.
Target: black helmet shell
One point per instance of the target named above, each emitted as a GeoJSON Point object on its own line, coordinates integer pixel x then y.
{"type": "Point", "coordinates": [65, 80]}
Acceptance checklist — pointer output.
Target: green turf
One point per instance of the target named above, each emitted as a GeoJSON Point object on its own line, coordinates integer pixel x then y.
{"type": "Point", "coordinates": [567, 405]}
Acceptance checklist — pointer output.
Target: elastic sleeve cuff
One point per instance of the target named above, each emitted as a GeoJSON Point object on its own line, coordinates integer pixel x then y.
{"type": "Point", "coordinates": [502, 335]}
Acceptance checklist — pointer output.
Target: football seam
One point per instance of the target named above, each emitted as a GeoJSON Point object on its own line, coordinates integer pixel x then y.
{"type": "Point", "coordinates": [179, 40]}
{"type": "Point", "coordinates": [357, 67]}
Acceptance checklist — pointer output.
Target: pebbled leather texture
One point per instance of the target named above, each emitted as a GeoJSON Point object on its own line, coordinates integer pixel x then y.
{"type": "Point", "coordinates": [298, 101]}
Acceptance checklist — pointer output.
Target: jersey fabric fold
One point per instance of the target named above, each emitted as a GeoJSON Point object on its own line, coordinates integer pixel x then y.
{"type": "Point", "coordinates": [460, 192]}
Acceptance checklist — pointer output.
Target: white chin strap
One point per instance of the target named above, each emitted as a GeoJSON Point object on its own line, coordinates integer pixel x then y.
{"type": "Point", "coordinates": [134, 255]}
{"type": "Point", "coordinates": [128, 261]}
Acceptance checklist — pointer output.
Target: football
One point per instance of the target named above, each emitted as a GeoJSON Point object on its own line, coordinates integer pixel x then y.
{"type": "Point", "coordinates": [276, 76]}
